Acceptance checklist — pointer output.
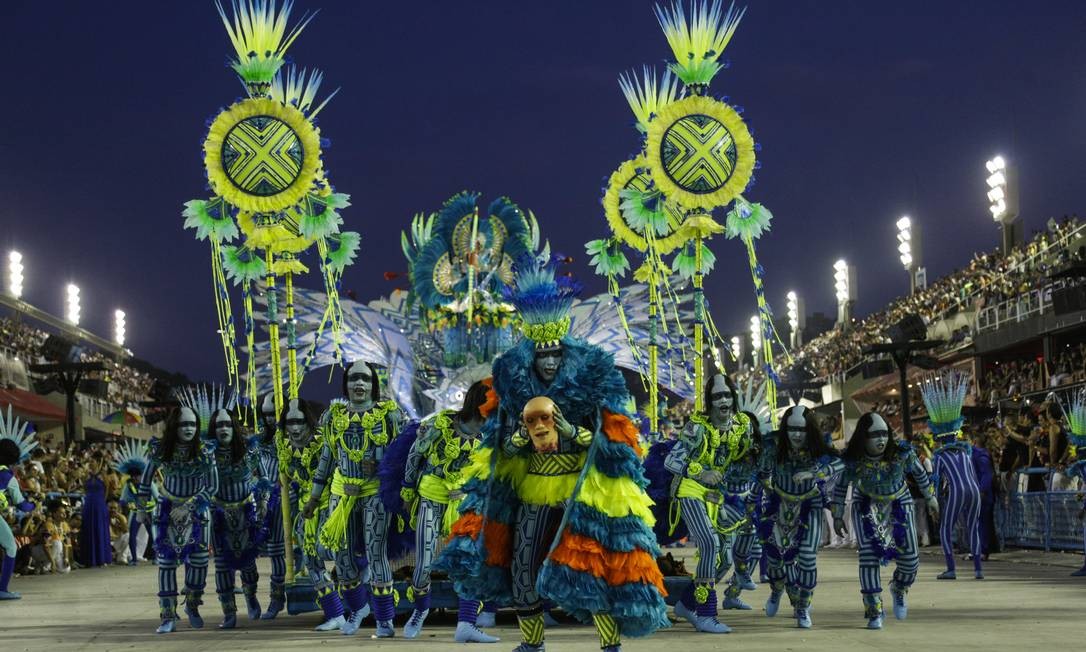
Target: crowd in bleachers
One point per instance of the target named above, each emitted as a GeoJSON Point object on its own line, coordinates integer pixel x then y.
{"type": "Point", "coordinates": [53, 479]}
{"type": "Point", "coordinates": [988, 279]}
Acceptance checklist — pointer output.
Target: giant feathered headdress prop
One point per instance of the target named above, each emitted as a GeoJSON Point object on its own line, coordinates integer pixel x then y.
{"type": "Point", "coordinates": [542, 300]}
{"type": "Point", "coordinates": [943, 396]}
{"type": "Point", "coordinates": [130, 457]}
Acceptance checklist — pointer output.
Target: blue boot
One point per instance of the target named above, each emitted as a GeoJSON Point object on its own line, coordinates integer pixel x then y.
{"type": "Point", "coordinates": [384, 610]}
{"type": "Point", "coordinates": [773, 604]}
{"type": "Point", "coordinates": [685, 607]}
{"type": "Point", "coordinates": [803, 618]}
{"type": "Point", "coordinates": [875, 623]}
{"type": "Point", "coordinates": [947, 575]}
{"type": "Point", "coordinates": [413, 627]}
{"type": "Point", "coordinates": [873, 610]}
{"type": "Point", "coordinates": [357, 600]}
{"type": "Point", "coordinates": [277, 602]}
{"type": "Point", "coordinates": [332, 607]}
{"type": "Point", "coordinates": [735, 603]}
{"type": "Point", "coordinates": [469, 633]}
{"type": "Point", "coordinates": [168, 613]}
{"type": "Point", "coordinates": [706, 620]}
{"type": "Point", "coordinates": [192, 609]}
{"type": "Point", "coordinates": [901, 607]}
{"type": "Point", "coordinates": [252, 603]}
{"type": "Point", "coordinates": [229, 611]}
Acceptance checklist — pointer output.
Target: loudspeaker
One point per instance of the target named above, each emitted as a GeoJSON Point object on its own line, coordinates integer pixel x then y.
{"type": "Point", "coordinates": [95, 387]}
{"type": "Point", "coordinates": [910, 327]}
{"type": "Point", "coordinates": [57, 349]}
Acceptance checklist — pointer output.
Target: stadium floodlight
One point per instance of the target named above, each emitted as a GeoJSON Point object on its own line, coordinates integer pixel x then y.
{"type": "Point", "coordinates": [908, 249]}
{"type": "Point", "coordinates": [796, 318]}
{"type": "Point", "coordinates": [118, 327]}
{"type": "Point", "coordinates": [736, 341]}
{"type": "Point", "coordinates": [997, 184]}
{"type": "Point", "coordinates": [15, 274]}
{"type": "Point", "coordinates": [1003, 199]}
{"type": "Point", "coordinates": [73, 304]}
{"type": "Point", "coordinates": [844, 286]}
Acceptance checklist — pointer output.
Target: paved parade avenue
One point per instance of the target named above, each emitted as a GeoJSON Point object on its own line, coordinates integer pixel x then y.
{"type": "Point", "coordinates": [1030, 601]}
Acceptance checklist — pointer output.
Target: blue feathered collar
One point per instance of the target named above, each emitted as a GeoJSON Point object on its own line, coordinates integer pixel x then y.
{"type": "Point", "coordinates": [586, 380]}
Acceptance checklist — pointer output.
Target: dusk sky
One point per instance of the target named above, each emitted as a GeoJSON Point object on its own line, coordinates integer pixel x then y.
{"type": "Point", "coordinates": [865, 110]}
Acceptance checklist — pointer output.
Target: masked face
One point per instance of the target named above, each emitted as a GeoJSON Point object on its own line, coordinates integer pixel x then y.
{"type": "Point", "coordinates": [797, 428]}
{"type": "Point", "coordinates": [721, 405]}
{"type": "Point", "coordinates": [296, 426]}
{"type": "Point", "coordinates": [877, 437]}
{"type": "Point", "coordinates": [224, 428]}
{"type": "Point", "coordinates": [359, 383]}
{"type": "Point", "coordinates": [538, 420]}
{"type": "Point", "coordinates": [267, 412]}
{"type": "Point", "coordinates": [186, 426]}
{"type": "Point", "coordinates": [547, 364]}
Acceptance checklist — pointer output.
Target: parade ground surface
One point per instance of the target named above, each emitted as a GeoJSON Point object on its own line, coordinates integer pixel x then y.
{"type": "Point", "coordinates": [1028, 599]}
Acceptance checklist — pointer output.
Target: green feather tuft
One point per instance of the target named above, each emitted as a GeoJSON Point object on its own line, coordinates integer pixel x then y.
{"type": "Point", "coordinates": [685, 264]}
{"type": "Point", "coordinates": [343, 255]}
{"type": "Point", "coordinates": [241, 265]}
{"type": "Point", "coordinates": [645, 210]}
{"type": "Point", "coordinates": [698, 44]}
{"type": "Point", "coordinates": [747, 221]}
{"type": "Point", "coordinates": [260, 37]}
{"type": "Point", "coordinates": [607, 258]}
{"type": "Point", "coordinates": [647, 97]}
{"type": "Point", "coordinates": [212, 219]}
{"type": "Point", "coordinates": [320, 218]}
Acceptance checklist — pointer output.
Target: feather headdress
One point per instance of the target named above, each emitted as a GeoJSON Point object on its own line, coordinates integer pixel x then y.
{"type": "Point", "coordinates": [542, 300]}
{"type": "Point", "coordinates": [943, 396]}
{"type": "Point", "coordinates": [130, 457]}
{"type": "Point", "coordinates": [14, 428]}
{"type": "Point", "coordinates": [206, 400]}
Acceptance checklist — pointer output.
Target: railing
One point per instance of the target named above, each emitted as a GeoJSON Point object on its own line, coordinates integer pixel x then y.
{"type": "Point", "coordinates": [1043, 519]}
{"type": "Point", "coordinates": [1017, 309]}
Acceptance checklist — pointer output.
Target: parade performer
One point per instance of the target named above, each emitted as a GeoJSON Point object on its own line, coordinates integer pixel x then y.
{"type": "Point", "coordinates": [555, 504]}
{"type": "Point", "coordinates": [1076, 418]}
{"type": "Point", "coordinates": [706, 448]}
{"type": "Point", "coordinates": [266, 477]}
{"type": "Point", "coordinates": [189, 481]}
{"type": "Point", "coordinates": [796, 464]}
{"type": "Point", "coordinates": [130, 459]}
{"type": "Point", "coordinates": [356, 433]}
{"type": "Point", "coordinates": [237, 528]}
{"type": "Point", "coordinates": [953, 467]}
{"type": "Point", "coordinates": [299, 459]}
{"type": "Point", "coordinates": [15, 447]}
{"type": "Point", "coordinates": [742, 501]}
{"type": "Point", "coordinates": [882, 511]}
{"type": "Point", "coordinates": [432, 492]}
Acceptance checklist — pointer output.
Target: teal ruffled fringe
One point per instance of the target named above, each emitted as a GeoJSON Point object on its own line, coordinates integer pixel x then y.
{"type": "Point", "coordinates": [638, 608]}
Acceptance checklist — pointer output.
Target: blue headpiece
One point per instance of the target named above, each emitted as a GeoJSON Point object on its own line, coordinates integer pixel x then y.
{"type": "Point", "coordinates": [543, 301]}
{"type": "Point", "coordinates": [205, 401]}
{"type": "Point", "coordinates": [130, 457]}
{"type": "Point", "coordinates": [943, 396]}
{"type": "Point", "coordinates": [14, 428]}
{"type": "Point", "coordinates": [1076, 418]}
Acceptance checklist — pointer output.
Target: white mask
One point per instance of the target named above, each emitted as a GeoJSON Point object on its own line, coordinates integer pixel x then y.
{"type": "Point", "coordinates": [359, 384]}
{"type": "Point", "coordinates": [267, 412]}
{"type": "Point", "coordinates": [224, 428]}
{"type": "Point", "coordinates": [187, 425]}
{"type": "Point", "coordinates": [721, 404]}
{"type": "Point", "coordinates": [796, 427]}
{"type": "Point", "coordinates": [878, 436]}
{"type": "Point", "coordinates": [296, 426]}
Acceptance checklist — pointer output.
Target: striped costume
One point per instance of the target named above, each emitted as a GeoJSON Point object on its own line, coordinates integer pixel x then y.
{"type": "Point", "coordinates": [354, 443]}
{"type": "Point", "coordinates": [182, 533]}
{"type": "Point", "coordinates": [742, 498]}
{"type": "Point", "coordinates": [264, 463]}
{"type": "Point", "coordinates": [791, 529]}
{"type": "Point", "coordinates": [883, 515]}
{"type": "Point", "coordinates": [236, 530]}
{"type": "Point", "coordinates": [953, 467]}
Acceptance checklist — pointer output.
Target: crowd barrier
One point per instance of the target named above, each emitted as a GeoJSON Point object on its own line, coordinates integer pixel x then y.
{"type": "Point", "coordinates": [1049, 520]}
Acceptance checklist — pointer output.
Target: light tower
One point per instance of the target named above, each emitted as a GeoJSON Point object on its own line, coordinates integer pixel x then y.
{"type": "Point", "coordinates": [737, 349]}
{"type": "Point", "coordinates": [118, 327]}
{"type": "Point", "coordinates": [797, 319]}
{"type": "Point", "coordinates": [15, 274]}
{"type": "Point", "coordinates": [755, 340]}
{"type": "Point", "coordinates": [73, 304]}
{"type": "Point", "coordinates": [844, 285]}
{"type": "Point", "coordinates": [908, 249]}
{"type": "Point", "coordinates": [1003, 200]}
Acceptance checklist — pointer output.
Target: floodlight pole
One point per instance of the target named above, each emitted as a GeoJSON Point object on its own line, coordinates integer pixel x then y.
{"type": "Point", "coordinates": [902, 354]}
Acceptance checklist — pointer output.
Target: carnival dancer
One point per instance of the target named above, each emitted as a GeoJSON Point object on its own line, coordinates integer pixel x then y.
{"type": "Point", "coordinates": [356, 432]}
{"type": "Point", "coordinates": [189, 481]}
{"type": "Point", "coordinates": [15, 447]}
{"type": "Point", "coordinates": [796, 464]}
{"type": "Point", "coordinates": [706, 448]}
{"type": "Point", "coordinates": [299, 461]}
{"type": "Point", "coordinates": [953, 467]}
{"type": "Point", "coordinates": [236, 528]}
{"type": "Point", "coordinates": [432, 492]}
{"type": "Point", "coordinates": [266, 476]}
{"type": "Point", "coordinates": [740, 509]}
{"type": "Point", "coordinates": [130, 459]}
{"type": "Point", "coordinates": [556, 506]}
{"type": "Point", "coordinates": [882, 511]}
{"type": "Point", "coordinates": [1076, 418]}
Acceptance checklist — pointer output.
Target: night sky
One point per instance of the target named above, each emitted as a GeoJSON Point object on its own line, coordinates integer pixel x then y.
{"type": "Point", "coordinates": [865, 111]}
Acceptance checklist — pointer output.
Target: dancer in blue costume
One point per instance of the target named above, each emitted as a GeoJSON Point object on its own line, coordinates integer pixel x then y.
{"type": "Point", "coordinates": [796, 464]}
{"type": "Point", "coordinates": [15, 447]}
{"type": "Point", "coordinates": [237, 529]}
{"type": "Point", "coordinates": [953, 467]}
{"type": "Point", "coordinates": [698, 462]}
{"type": "Point", "coordinates": [299, 461]}
{"type": "Point", "coordinates": [130, 459]}
{"type": "Point", "coordinates": [432, 493]}
{"type": "Point", "coordinates": [742, 504]}
{"type": "Point", "coordinates": [266, 475]}
{"type": "Point", "coordinates": [356, 433]}
{"type": "Point", "coordinates": [189, 482]}
{"type": "Point", "coordinates": [882, 511]}
{"type": "Point", "coordinates": [1076, 418]}
{"type": "Point", "coordinates": [563, 517]}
